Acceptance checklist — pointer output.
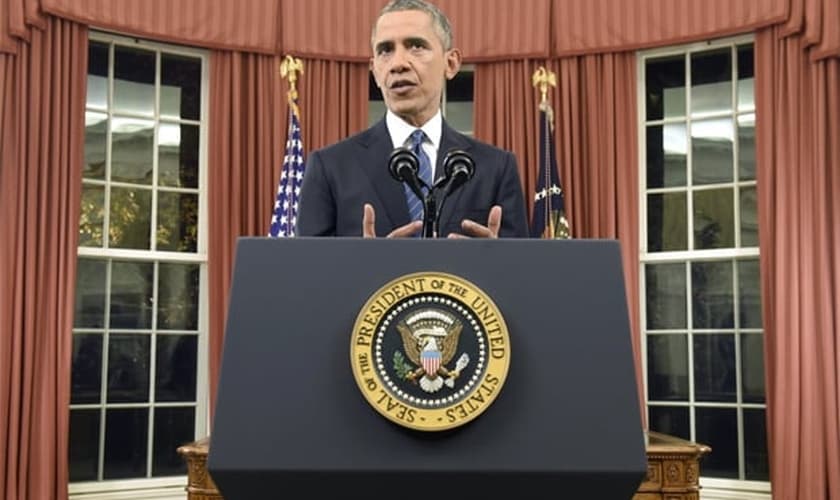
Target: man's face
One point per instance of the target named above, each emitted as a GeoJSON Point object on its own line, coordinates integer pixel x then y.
{"type": "Point", "coordinates": [410, 64]}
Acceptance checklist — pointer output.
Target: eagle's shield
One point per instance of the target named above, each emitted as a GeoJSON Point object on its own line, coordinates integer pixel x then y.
{"type": "Point", "coordinates": [431, 361]}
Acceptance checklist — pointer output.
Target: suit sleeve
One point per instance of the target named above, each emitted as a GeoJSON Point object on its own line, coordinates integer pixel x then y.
{"type": "Point", "coordinates": [316, 208]}
{"type": "Point", "coordinates": [509, 196]}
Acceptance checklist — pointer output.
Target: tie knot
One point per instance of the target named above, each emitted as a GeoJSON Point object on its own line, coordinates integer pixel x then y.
{"type": "Point", "coordinates": [417, 138]}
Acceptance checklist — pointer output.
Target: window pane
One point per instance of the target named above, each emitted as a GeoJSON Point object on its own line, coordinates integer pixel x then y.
{"type": "Point", "coordinates": [376, 103]}
{"type": "Point", "coordinates": [91, 216]}
{"type": "Point", "coordinates": [667, 149]}
{"type": "Point", "coordinates": [667, 357]}
{"type": "Point", "coordinates": [756, 462]}
{"type": "Point", "coordinates": [746, 79]}
{"type": "Point", "coordinates": [718, 428]}
{"type": "Point", "coordinates": [665, 85]}
{"type": "Point", "coordinates": [752, 367]}
{"type": "Point", "coordinates": [90, 294]}
{"type": "Point", "coordinates": [128, 368]}
{"type": "Point", "coordinates": [711, 82]}
{"type": "Point", "coordinates": [671, 420]}
{"type": "Point", "coordinates": [178, 155]}
{"type": "Point", "coordinates": [84, 445]}
{"type": "Point", "coordinates": [667, 224]}
{"type": "Point", "coordinates": [177, 228]}
{"type": "Point", "coordinates": [97, 80]}
{"type": "Point", "coordinates": [175, 368]}
{"type": "Point", "coordinates": [130, 214]}
{"type": "Point", "coordinates": [132, 150]}
{"type": "Point", "coordinates": [178, 297]}
{"type": "Point", "coordinates": [459, 101]}
{"type": "Point", "coordinates": [376, 112]}
{"type": "Point", "coordinates": [714, 219]}
{"type": "Point", "coordinates": [459, 115]}
{"type": "Point", "coordinates": [86, 371]}
{"type": "Point", "coordinates": [714, 367]}
{"type": "Point", "coordinates": [746, 147]}
{"type": "Point", "coordinates": [711, 295]}
{"type": "Point", "coordinates": [131, 295]}
{"type": "Point", "coordinates": [134, 81]}
{"type": "Point", "coordinates": [712, 149]}
{"type": "Point", "coordinates": [96, 136]}
{"type": "Point", "coordinates": [665, 290]}
{"type": "Point", "coordinates": [749, 217]}
{"type": "Point", "coordinates": [749, 294]}
{"type": "Point", "coordinates": [180, 87]}
{"type": "Point", "coordinates": [126, 434]}
{"type": "Point", "coordinates": [173, 427]}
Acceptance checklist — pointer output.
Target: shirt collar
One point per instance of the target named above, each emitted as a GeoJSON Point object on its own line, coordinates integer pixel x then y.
{"type": "Point", "coordinates": [400, 131]}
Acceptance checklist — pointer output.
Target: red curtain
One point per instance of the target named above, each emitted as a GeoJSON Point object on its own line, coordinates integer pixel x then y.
{"type": "Point", "coordinates": [798, 130]}
{"type": "Point", "coordinates": [592, 26]}
{"type": "Point", "coordinates": [485, 30]}
{"type": "Point", "coordinates": [596, 142]}
{"type": "Point", "coordinates": [40, 187]}
{"type": "Point", "coordinates": [249, 97]}
{"type": "Point", "coordinates": [247, 25]}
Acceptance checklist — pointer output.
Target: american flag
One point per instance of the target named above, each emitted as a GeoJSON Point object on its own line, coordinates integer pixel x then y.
{"type": "Point", "coordinates": [549, 219]}
{"type": "Point", "coordinates": [284, 217]}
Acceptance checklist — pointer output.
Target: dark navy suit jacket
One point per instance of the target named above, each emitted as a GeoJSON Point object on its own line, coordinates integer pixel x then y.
{"type": "Point", "coordinates": [341, 178]}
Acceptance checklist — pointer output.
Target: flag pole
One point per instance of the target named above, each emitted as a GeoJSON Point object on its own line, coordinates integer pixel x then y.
{"type": "Point", "coordinates": [284, 214]}
{"type": "Point", "coordinates": [548, 199]}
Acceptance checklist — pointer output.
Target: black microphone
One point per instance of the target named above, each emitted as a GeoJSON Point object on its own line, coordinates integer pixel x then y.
{"type": "Point", "coordinates": [404, 166]}
{"type": "Point", "coordinates": [458, 167]}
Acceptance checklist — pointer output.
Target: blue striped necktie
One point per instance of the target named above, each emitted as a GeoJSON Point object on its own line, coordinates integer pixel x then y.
{"type": "Point", "coordinates": [415, 205]}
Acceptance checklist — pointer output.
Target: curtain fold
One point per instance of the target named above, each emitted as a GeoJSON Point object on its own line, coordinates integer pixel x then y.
{"type": "Point", "coordinates": [249, 97]}
{"type": "Point", "coordinates": [602, 26]}
{"type": "Point", "coordinates": [798, 156]}
{"type": "Point", "coordinates": [596, 148]}
{"type": "Point", "coordinates": [40, 187]}
{"type": "Point", "coordinates": [247, 25]}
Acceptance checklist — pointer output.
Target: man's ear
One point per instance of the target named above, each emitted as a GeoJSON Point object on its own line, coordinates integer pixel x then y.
{"type": "Point", "coordinates": [453, 63]}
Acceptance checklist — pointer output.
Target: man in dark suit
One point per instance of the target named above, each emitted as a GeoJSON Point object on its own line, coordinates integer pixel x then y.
{"type": "Point", "coordinates": [348, 190]}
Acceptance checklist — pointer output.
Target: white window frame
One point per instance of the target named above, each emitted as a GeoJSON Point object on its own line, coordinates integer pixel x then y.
{"type": "Point", "coordinates": [711, 488]}
{"type": "Point", "coordinates": [170, 487]}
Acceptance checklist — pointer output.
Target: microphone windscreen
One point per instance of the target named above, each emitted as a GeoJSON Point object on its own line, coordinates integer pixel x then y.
{"type": "Point", "coordinates": [400, 159]}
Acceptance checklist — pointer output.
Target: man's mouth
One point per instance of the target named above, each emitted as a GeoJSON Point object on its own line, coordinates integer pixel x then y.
{"type": "Point", "coordinates": [401, 87]}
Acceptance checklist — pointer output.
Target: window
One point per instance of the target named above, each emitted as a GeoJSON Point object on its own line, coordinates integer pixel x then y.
{"type": "Point", "coordinates": [701, 307]}
{"type": "Point", "coordinates": [457, 105]}
{"type": "Point", "coordinates": [139, 336]}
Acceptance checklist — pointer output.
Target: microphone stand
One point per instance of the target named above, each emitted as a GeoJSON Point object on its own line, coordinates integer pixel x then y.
{"type": "Point", "coordinates": [431, 214]}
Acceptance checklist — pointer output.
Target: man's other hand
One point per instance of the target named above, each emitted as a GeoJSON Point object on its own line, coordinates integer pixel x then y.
{"type": "Point", "coordinates": [473, 229]}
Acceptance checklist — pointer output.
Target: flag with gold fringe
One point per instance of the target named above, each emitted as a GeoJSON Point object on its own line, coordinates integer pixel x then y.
{"type": "Point", "coordinates": [549, 216]}
{"type": "Point", "coordinates": [284, 216]}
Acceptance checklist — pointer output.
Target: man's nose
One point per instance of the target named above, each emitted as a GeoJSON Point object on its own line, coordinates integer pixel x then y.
{"type": "Point", "coordinates": [399, 61]}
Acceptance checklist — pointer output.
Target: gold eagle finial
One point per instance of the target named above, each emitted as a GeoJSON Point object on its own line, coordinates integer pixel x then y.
{"type": "Point", "coordinates": [542, 78]}
{"type": "Point", "coordinates": [289, 69]}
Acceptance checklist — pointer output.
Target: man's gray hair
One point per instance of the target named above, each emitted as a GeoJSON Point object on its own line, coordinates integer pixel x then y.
{"type": "Point", "coordinates": [439, 20]}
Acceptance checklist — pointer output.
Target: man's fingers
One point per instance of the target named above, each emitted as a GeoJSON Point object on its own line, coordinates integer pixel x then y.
{"type": "Point", "coordinates": [409, 229]}
{"type": "Point", "coordinates": [475, 230]}
{"type": "Point", "coordinates": [369, 222]}
{"type": "Point", "coordinates": [494, 221]}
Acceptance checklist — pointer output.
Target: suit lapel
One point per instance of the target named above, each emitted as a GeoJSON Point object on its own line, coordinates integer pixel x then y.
{"type": "Point", "coordinates": [377, 141]}
{"type": "Point", "coordinates": [450, 139]}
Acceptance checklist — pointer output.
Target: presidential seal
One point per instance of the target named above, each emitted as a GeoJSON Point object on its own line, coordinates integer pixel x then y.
{"type": "Point", "coordinates": [430, 351]}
